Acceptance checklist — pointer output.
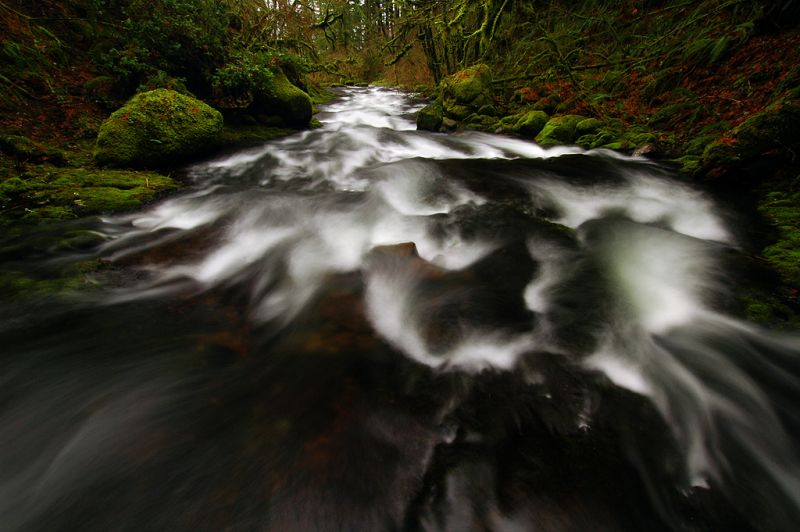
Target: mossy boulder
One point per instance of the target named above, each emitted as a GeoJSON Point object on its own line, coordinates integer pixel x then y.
{"type": "Point", "coordinates": [157, 128]}
{"type": "Point", "coordinates": [467, 91]}
{"type": "Point", "coordinates": [527, 123]}
{"type": "Point", "coordinates": [285, 101]}
{"type": "Point", "coordinates": [430, 117]}
{"type": "Point", "coordinates": [560, 130]}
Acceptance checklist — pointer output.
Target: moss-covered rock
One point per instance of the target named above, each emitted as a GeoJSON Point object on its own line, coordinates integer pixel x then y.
{"type": "Point", "coordinates": [430, 117]}
{"type": "Point", "coordinates": [285, 100]}
{"type": "Point", "coordinates": [467, 92]}
{"type": "Point", "coordinates": [588, 127]}
{"type": "Point", "coordinates": [560, 130]}
{"type": "Point", "coordinates": [157, 128]}
{"type": "Point", "coordinates": [527, 123]}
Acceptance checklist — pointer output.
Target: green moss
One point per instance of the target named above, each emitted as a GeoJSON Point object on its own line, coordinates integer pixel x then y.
{"type": "Point", "coordinates": [706, 136]}
{"type": "Point", "coordinates": [41, 214]}
{"type": "Point", "coordinates": [783, 211]}
{"type": "Point", "coordinates": [286, 101]}
{"type": "Point", "coordinates": [157, 128]}
{"type": "Point", "coordinates": [588, 127]}
{"type": "Point", "coordinates": [469, 85]}
{"type": "Point", "coordinates": [15, 283]}
{"type": "Point", "coordinates": [770, 310]}
{"type": "Point", "coordinates": [720, 153]}
{"type": "Point", "coordinates": [320, 95]}
{"type": "Point", "coordinates": [639, 136]}
{"type": "Point", "coordinates": [482, 123]}
{"type": "Point", "coordinates": [689, 164]}
{"type": "Point", "coordinates": [559, 130]}
{"type": "Point", "coordinates": [458, 112]}
{"type": "Point", "coordinates": [528, 123]}
{"type": "Point", "coordinates": [467, 92]}
{"type": "Point", "coordinates": [430, 117]}
{"type": "Point", "coordinates": [49, 193]}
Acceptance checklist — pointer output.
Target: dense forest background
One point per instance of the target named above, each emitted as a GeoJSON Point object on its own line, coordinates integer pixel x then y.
{"type": "Point", "coordinates": [622, 58]}
{"type": "Point", "coordinates": [611, 57]}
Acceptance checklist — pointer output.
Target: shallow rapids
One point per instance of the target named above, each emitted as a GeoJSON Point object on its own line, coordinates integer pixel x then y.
{"type": "Point", "coordinates": [367, 327]}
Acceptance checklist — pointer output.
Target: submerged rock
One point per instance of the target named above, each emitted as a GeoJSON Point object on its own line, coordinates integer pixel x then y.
{"type": "Point", "coordinates": [157, 128]}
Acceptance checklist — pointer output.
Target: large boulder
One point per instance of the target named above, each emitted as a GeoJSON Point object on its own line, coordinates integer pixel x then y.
{"type": "Point", "coordinates": [468, 91]}
{"type": "Point", "coordinates": [157, 128]}
{"type": "Point", "coordinates": [285, 100]}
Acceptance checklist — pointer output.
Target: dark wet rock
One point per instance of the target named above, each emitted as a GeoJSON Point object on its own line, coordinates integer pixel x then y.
{"type": "Point", "coordinates": [461, 95]}
{"type": "Point", "coordinates": [647, 150]}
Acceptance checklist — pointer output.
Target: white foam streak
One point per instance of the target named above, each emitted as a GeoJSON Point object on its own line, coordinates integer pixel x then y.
{"type": "Point", "coordinates": [642, 198]}
{"type": "Point", "coordinates": [393, 310]}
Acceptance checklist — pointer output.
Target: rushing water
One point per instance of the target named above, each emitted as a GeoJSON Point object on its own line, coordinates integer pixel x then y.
{"type": "Point", "coordinates": [367, 327]}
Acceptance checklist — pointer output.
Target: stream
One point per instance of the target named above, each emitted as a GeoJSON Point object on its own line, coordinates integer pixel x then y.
{"type": "Point", "coordinates": [367, 327]}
